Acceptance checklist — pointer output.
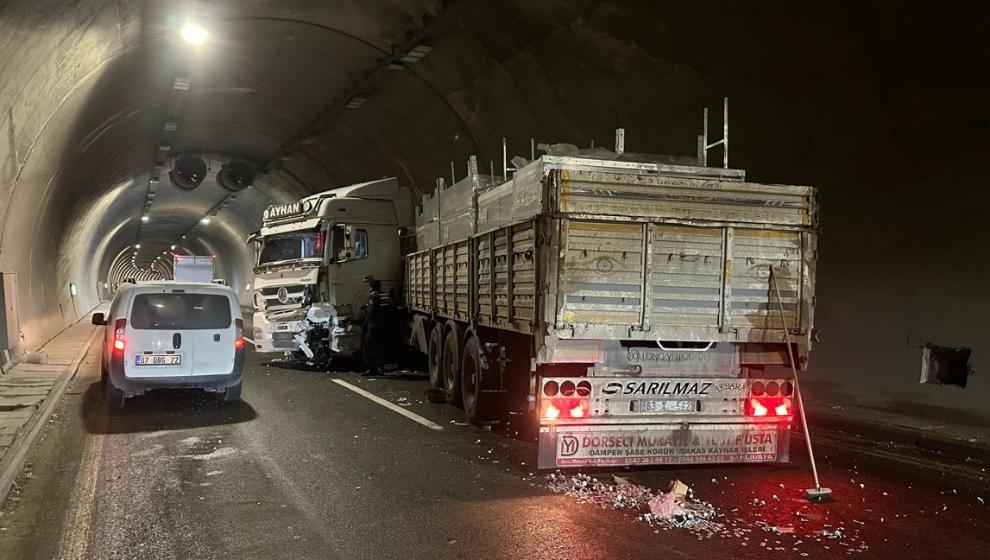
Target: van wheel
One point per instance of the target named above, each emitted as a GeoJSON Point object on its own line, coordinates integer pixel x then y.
{"type": "Point", "coordinates": [233, 394]}
{"type": "Point", "coordinates": [477, 404]}
{"type": "Point", "coordinates": [452, 367]}
{"type": "Point", "coordinates": [434, 355]}
{"type": "Point", "coordinates": [115, 398]}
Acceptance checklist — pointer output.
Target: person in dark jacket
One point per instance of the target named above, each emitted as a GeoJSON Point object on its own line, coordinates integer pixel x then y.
{"type": "Point", "coordinates": [376, 328]}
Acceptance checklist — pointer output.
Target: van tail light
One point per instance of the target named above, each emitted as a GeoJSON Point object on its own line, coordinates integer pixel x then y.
{"type": "Point", "coordinates": [554, 409]}
{"type": "Point", "coordinates": [769, 407]}
{"type": "Point", "coordinates": [238, 334]}
{"type": "Point", "coordinates": [118, 335]}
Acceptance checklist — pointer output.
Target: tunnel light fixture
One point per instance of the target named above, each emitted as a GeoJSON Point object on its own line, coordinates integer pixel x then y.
{"type": "Point", "coordinates": [194, 34]}
{"type": "Point", "coordinates": [172, 247]}
{"type": "Point", "coordinates": [145, 218]}
{"type": "Point", "coordinates": [137, 245]}
{"type": "Point", "coordinates": [355, 103]}
{"type": "Point", "coordinates": [205, 221]}
{"type": "Point", "coordinates": [416, 53]}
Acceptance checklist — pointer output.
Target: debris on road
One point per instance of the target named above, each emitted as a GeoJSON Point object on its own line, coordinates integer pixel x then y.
{"type": "Point", "coordinates": [678, 508]}
{"type": "Point", "coordinates": [672, 509]}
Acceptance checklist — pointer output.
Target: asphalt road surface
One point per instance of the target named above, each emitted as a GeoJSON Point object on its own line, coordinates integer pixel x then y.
{"type": "Point", "coordinates": [305, 467]}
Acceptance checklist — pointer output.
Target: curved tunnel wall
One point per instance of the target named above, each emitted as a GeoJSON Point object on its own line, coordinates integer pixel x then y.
{"type": "Point", "coordinates": [856, 106]}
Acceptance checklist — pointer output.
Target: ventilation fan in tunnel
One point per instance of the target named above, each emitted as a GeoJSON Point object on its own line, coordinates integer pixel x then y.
{"type": "Point", "coordinates": [236, 175]}
{"type": "Point", "coordinates": [188, 171]}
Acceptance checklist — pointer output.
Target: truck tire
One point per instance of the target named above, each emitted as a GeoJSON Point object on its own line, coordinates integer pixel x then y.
{"type": "Point", "coordinates": [477, 405]}
{"type": "Point", "coordinates": [434, 355]}
{"type": "Point", "coordinates": [115, 398]}
{"type": "Point", "coordinates": [451, 363]}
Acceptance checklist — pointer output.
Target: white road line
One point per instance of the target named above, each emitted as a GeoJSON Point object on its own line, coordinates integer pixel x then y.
{"type": "Point", "coordinates": [391, 406]}
{"type": "Point", "coordinates": [248, 339]}
{"type": "Point", "coordinates": [78, 520]}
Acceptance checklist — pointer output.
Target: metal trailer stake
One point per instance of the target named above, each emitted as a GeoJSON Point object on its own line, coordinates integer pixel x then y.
{"type": "Point", "coordinates": [818, 494]}
{"type": "Point", "coordinates": [724, 142]}
{"type": "Point", "coordinates": [505, 160]}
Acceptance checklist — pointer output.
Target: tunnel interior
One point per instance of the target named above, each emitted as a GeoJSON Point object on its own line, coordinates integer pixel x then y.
{"type": "Point", "coordinates": [877, 106]}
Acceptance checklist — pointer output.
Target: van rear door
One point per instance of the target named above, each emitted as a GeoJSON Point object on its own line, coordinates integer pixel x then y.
{"type": "Point", "coordinates": [177, 333]}
{"type": "Point", "coordinates": [213, 334]}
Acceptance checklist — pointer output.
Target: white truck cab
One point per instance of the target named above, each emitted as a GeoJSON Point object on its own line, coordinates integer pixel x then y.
{"type": "Point", "coordinates": [172, 335]}
{"type": "Point", "coordinates": [313, 258]}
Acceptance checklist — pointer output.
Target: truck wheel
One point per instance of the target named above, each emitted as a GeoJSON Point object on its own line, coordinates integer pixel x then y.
{"type": "Point", "coordinates": [115, 398]}
{"type": "Point", "coordinates": [452, 367]}
{"type": "Point", "coordinates": [477, 405]}
{"type": "Point", "coordinates": [434, 356]}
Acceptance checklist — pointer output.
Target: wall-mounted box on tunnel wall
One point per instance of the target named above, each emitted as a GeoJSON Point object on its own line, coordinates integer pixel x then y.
{"type": "Point", "coordinates": [10, 327]}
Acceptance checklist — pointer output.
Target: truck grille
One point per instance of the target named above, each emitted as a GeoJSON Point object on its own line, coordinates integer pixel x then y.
{"type": "Point", "coordinates": [294, 296]}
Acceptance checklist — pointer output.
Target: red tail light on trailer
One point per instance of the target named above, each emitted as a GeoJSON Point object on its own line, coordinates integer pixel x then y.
{"type": "Point", "coordinates": [769, 407]}
{"type": "Point", "coordinates": [553, 409]}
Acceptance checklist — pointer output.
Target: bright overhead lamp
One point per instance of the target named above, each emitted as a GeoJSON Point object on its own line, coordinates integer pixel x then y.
{"type": "Point", "coordinates": [173, 247]}
{"type": "Point", "coordinates": [146, 218]}
{"type": "Point", "coordinates": [205, 221]}
{"type": "Point", "coordinates": [193, 34]}
{"type": "Point", "coordinates": [137, 245]}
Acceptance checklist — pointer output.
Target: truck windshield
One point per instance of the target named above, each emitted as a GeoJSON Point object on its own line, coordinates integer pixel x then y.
{"type": "Point", "coordinates": [294, 245]}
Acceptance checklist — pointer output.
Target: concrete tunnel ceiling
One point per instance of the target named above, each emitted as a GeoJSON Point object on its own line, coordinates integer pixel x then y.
{"type": "Point", "coordinates": [322, 93]}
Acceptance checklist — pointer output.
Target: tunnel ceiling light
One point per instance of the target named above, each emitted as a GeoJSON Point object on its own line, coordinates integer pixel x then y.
{"type": "Point", "coordinates": [194, 34]}
{"type": "Point", "coordinates": [146, 218]}
{"type": "Point", "coordinates": [172, 247]}
{"type": "Point", "coordinates": [205, 221]}
{"type": "Point", "coordinates": [137, 245]}
{"type": "Point", "coordinates": [355, 103]}
{"type": "Point", "coordinates": [416, 53]}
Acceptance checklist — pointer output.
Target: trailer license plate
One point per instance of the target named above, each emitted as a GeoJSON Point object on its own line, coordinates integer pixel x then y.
{"type": "Point", "coordinates": [158, 360]}
{"type": "Point", "coordinates": [668, 406]}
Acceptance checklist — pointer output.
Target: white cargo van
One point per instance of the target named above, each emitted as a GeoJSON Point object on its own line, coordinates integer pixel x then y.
{"type": "Point", "coordinates": [171, 335]}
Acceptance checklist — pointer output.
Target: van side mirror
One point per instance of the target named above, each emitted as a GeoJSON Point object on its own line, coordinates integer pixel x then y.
{"type": "Point", "coordinates": [99, 319]}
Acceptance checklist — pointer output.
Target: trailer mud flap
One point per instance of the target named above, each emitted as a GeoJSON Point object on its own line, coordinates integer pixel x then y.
{"type": "Point", "coordinates": [612, 446]}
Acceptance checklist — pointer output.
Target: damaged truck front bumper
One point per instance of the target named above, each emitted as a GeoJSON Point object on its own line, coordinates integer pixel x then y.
{"type": "Point", "coordinates": [290, 336]}
{"type": "Point", "coordinates": [277, 336]}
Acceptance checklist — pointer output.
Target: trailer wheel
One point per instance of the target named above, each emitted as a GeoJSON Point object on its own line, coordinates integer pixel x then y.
{"type": "Point", "coordinates": [434, 355]}
{"type": "Point", "coordinates": [452, 367]}
{"type": "Point", "coordinates": [477, 405]}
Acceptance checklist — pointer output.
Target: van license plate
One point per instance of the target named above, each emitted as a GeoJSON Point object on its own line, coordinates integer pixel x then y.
{"type": "Point", "coordinates": [668, 406]}
{"type": "Point", "coordinates": [158, 360]}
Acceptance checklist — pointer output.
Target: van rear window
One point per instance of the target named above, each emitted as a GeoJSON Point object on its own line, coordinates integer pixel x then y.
{"type": "Point", "coordinates": [180, 311]}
